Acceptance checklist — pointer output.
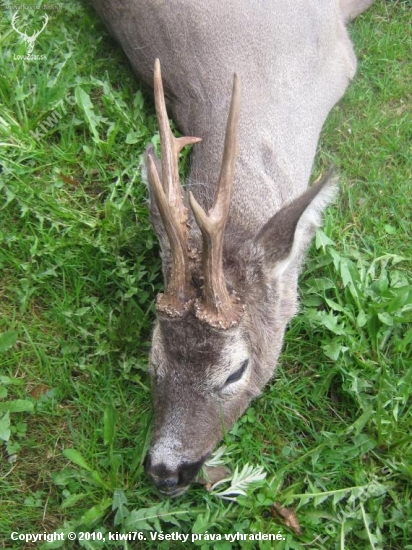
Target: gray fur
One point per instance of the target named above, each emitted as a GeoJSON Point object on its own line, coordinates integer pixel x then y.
{"type": "Point", "coordinates": [295, 60]}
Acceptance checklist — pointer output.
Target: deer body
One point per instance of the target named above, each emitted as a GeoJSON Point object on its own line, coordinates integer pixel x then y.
{"type": "Point", "coordinates": [294, 60]}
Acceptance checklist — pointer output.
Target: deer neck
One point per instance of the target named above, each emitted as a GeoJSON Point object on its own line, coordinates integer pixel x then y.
{"type": "Point", "coordinates": [269, 172]}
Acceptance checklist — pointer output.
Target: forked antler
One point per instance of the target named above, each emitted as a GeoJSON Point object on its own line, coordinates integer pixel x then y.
{"type": "Point", "coordinates": [168, 195]}
{"type": "Point", "coordinates": [24, 34]}
{"type": "Point", "coordinates": [46, 20]}
{"type": "Point", "coordinates": [13, 24]}
{"type": "Point", "coordinates": [218, 308]}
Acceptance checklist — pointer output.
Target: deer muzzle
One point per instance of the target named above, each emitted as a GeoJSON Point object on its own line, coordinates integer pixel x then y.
{"type": "Point", "coordinates": [169, 481]}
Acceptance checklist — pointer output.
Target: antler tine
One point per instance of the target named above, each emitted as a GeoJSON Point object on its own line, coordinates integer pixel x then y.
{"type": "Point", "coordinates": [170, 146]}
{"type": "Point", "coordinates": [219, 308]}
{"type": "Point", "coordinates": [13, 21]}
{"type": "Point", "coordinates": [168, 195]}
{"type": "Point", "coordinates": [46, 20]}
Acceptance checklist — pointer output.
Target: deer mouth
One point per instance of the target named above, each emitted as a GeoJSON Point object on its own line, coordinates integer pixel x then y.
{"type": "Point", "coordinates": [173, 493]}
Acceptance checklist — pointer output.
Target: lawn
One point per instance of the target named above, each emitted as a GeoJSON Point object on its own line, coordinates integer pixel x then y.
{"type": "Point", "coordinates": [79, 272]}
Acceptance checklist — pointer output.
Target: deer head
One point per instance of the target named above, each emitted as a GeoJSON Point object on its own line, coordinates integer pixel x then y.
{"type": "Point", "coordinates": [229, 296]}
{"type": "Point", "coordinates": [29, 40]}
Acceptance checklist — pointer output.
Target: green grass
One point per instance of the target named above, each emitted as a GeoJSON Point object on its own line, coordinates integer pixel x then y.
{"type": "Point", "coordinates": [80, 269]}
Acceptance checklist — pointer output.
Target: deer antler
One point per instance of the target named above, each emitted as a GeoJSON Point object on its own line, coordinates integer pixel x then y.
{"type": "Point", "coordinates": [219, 309]}
{"type": "Point", "coordinates": [46, 20]}
{"type": "Point", "coordinates": [168, 195]}
{"type": "Point", "coordinates": [13, 21]}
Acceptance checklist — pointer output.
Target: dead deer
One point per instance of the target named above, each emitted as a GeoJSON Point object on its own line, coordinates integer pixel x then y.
{"type": "Point", "coordinates": [233, 245]}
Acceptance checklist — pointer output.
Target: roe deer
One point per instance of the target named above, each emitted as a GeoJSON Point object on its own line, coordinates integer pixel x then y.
{"type": "Point", "coordinates": [233, 245]}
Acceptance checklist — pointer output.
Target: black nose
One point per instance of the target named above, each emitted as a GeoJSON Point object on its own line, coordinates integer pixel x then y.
{"type": "Point", "coordinates": [170, 481]}
{"type": "Point", "coordinates": [165, 484]}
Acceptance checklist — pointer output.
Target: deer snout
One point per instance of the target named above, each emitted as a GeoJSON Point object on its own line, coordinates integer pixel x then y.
{"type": "Point", "coordinates": [171, 481]}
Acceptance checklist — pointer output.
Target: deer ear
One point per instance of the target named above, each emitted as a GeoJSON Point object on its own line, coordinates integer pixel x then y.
{"type": "Point", "coordinates": [286, 236]}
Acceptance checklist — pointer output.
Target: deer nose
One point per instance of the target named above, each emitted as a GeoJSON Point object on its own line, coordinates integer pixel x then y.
{"type": "Point", "coordinates": [165, 485]}
{"type": "Point", "coordinates": [162, 477]}
{"type": "Point", "coordinates": [171, 482]}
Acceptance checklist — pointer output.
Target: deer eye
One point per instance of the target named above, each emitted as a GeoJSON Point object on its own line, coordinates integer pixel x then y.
{"type": "Point", "coordinates": [237, 375]}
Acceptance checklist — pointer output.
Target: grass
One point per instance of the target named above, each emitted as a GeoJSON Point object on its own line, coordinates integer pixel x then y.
{"type": "Point", "coordinates": [79, 271]}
